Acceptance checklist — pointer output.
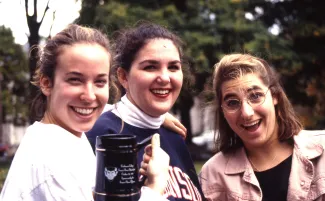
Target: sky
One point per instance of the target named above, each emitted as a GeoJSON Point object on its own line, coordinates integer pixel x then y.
{"type": "Point", "coordinates": [12, 15]}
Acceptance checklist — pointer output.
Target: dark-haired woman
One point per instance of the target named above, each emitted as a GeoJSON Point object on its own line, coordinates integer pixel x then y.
{"type": "Point", "coordinates": [149, 66]}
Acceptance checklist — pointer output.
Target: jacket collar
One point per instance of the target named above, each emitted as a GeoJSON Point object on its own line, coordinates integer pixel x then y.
{"type": "Point", "coordinates": [307, 143]}
{"type": "Point", "coordinates": [238, 162]}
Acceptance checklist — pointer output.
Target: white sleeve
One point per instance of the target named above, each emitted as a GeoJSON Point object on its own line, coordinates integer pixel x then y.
{"type": "Point", "coordinates": [63, 189]}
{"type": "Point", "coordinates": [147, 194]}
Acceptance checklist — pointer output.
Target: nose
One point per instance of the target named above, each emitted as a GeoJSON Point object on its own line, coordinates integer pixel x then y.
{"type": "Point", "coordinates": [246, 110]}
{"type": "Point", "coordinates": [88, 94]}
{"type": "Point", "coordinates": [163, 77]}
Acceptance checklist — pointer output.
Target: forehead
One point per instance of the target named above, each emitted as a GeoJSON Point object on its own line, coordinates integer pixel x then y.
{"type": "Point", "coordinates": [158, 49]}
{"type": "Point", "coordinates": [89, 57]}
{"type": "Point", "coordinates": [242, 84]}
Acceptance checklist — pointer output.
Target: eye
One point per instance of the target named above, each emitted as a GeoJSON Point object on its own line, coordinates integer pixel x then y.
{"type": "Point", "coordinates": [101, 82]}
{"type": "Point", "coordinates": [256, 97]}
{"type": "Point", "coordinates": [232, 103]}
{"type": "Point", "coordinates": [149, 67]}
{"type": "Point", "coordinates": [74, 80]}
{"type": "Point", "coordinates": [174, 67]}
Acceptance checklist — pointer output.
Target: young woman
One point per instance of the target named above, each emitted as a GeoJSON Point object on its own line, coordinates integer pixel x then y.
{"type": "Point", "coordinates": [148, 65]}
{"type": "Point", "coordinates": [54, 160]}
{"type": "Point", "coordinates": [264, 154]}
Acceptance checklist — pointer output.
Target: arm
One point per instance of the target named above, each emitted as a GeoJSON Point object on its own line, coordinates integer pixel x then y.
{"type": "Point", "coordinates": [155, 166]}
{"type": "Point", "coordinates": [174, 124]}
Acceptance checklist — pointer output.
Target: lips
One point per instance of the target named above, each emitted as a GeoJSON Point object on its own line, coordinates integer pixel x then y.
{"type": "Point", "coordinates": [160, 91]}
{"type": "Point", "coordinates": [83, 111]}
{"type": "Point", "coordinates": [251, 126]}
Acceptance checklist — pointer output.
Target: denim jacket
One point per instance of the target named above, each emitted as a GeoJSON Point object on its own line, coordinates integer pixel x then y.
{"type": "Point", "coordinates": [230, 177]}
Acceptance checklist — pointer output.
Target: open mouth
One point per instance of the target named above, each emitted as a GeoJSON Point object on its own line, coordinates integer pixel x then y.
{"type": "Point", "coordinates": [252, 126]}
{"type": "Point", "coordinates": [83, 111]}
{"type": "Point", "coordinates": [160, 91]}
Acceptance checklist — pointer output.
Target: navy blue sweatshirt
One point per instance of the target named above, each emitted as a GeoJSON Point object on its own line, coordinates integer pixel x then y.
{"type": "Point", "coordinates": [183, 183]}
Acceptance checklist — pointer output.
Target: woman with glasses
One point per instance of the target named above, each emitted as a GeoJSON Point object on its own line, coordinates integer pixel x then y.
{"type": "Point", "coordinates": [263, 152]}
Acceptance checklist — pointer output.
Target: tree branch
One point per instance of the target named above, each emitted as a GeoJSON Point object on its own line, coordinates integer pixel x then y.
{"type": "Point", "coordinates": [26, 13]}
{"type": "Point", "coordinates": [46, 9]}
{"type": "Point", "coordinates": [52, 24]}
{"type": "Point", "coordinates": [35, 10]}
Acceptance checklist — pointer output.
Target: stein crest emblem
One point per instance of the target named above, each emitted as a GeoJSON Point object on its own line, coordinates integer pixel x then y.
{"type": "Point", "coordinates": [110, 173]}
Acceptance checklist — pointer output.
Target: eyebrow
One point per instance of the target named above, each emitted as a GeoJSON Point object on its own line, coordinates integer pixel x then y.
{"type": "Point", "coordinates": [229, 96]}
{"type": "Point", "coordinates": [252, 88]}
{"type": "Point", "coordinates": [157, 62]}
{"type": "Point", "coordinates": [81, 75]}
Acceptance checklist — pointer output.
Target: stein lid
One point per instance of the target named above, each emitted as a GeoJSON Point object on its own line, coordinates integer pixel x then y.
{"type": "Point", "coordinates": [116, 141]}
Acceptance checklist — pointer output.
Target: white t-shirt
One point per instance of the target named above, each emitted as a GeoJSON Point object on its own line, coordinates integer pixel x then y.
{"type": "Point", "coordinates": [53, 164]}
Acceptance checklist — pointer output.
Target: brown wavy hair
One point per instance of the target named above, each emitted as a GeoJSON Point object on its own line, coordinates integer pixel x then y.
{"type": "Point", "coordinates": [129, 41]}
{"type": "Point", "coordinates": [233, 66]}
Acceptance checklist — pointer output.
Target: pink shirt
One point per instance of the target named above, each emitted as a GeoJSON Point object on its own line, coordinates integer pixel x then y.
{"type": "Point", "coordinates": [228, 177]}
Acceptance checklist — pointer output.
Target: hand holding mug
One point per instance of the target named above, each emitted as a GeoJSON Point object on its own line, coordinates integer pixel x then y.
{"type": "Point", "coordinates": [155, 166]}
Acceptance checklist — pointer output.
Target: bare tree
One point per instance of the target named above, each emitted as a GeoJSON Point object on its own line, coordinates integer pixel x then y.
{"type": "Point", "coordinates": [33, 41]}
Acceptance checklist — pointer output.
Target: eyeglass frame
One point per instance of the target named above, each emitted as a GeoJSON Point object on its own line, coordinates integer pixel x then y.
{"type": "Point", "coordinates": [247, 101]}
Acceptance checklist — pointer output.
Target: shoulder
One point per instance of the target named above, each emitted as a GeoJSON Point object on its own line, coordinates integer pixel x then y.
{"type": "Point", "coordinates": [212, 175]}
{"type": "Point", "coordinates": [107, 122]}
{"type": "Point", "coordinates": [310, 144]}
{"type": "Point", "coordinates": [166, 133]}
{"type": "Point", "coordinates": [215, 164]}
{"type": "Point", "coordinates": [309, 136]}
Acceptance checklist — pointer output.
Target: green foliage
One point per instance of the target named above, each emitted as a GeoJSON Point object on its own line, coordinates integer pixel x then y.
{"type": "Point", "coordinates": [302, 24]}
{"type": "Point", "coordinates": [213, 28]}
{"type": "Point", "coordinates": [13, 67]}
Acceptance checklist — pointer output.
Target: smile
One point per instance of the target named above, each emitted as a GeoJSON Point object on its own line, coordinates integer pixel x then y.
{"type": "Point", "coordinates": [83, 111]}
{"type": "Point", "coordinates": [251, 124]}
{"type": "Point", "coordinates": [160, 91]}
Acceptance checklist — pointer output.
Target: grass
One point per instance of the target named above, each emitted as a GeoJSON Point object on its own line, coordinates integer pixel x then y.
{"type": "Point", "coordinates": [4, 167]}
{"type": "Point", "coordinates": [198, 165]}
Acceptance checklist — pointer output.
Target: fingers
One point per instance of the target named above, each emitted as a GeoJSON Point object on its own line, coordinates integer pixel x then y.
{"type": "Point", "coordinates": [182, 129]}
{"type": "Point", "coordinates": [155, 145]}
{"type": "Point", "coordinates": [155, 141]}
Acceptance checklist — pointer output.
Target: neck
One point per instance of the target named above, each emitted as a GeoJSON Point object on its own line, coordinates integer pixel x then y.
{"type": "Point", "coordinates": [49, 119]}
{"type": "Point", "coordinates": [268, 156]}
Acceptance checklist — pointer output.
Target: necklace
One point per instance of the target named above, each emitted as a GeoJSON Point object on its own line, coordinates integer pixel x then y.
{"type": "Point", "coordinates": [253, 165]}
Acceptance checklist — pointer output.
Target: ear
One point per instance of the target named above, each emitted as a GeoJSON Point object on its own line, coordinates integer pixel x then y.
{"type": "Point", "coordinates": [46, 85]}
{"type": "Point", "coordinates": [275, 100]}
{"type": "Point", "coordinates": [122, 77]}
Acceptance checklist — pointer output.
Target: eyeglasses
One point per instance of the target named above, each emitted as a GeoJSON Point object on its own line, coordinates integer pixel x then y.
{"type": "Point", "coordinates": [253, 98]}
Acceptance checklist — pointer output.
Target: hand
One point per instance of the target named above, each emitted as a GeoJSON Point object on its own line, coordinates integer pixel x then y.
{"type": "Point", "coordinates": [155, 166]}
{"type": "Point", "coordinates": [174, 124]}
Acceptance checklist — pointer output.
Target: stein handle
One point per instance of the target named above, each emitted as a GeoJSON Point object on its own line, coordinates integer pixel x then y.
{"type": "Point", "coordinates": [141, 144]}
{"type": "Point", "coordinates": [144, 142]}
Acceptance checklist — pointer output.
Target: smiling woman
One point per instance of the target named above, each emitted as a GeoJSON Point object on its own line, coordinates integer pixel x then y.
{"type": "Point", "coordinates": [149, 70]}
{"type": "Point", "coordinates": [264, 153]}
{"type": "Point", "coordinates": [54, 160]}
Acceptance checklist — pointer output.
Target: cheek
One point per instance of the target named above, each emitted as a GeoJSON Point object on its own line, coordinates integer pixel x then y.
{"type": "Point", "coordinates": [177, 80]}
{"type": "Point", "coordinates": [103, 94]}
{"type": "Point", "coordinates": [231, 119]}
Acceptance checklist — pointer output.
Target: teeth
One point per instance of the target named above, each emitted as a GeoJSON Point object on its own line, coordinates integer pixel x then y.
{"type": "Point", "coordinates": [251, 124]}
{"type": "Point", "coordinates": [160, 91]}
{"type": "Point", "coordinates": [84, 111]}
